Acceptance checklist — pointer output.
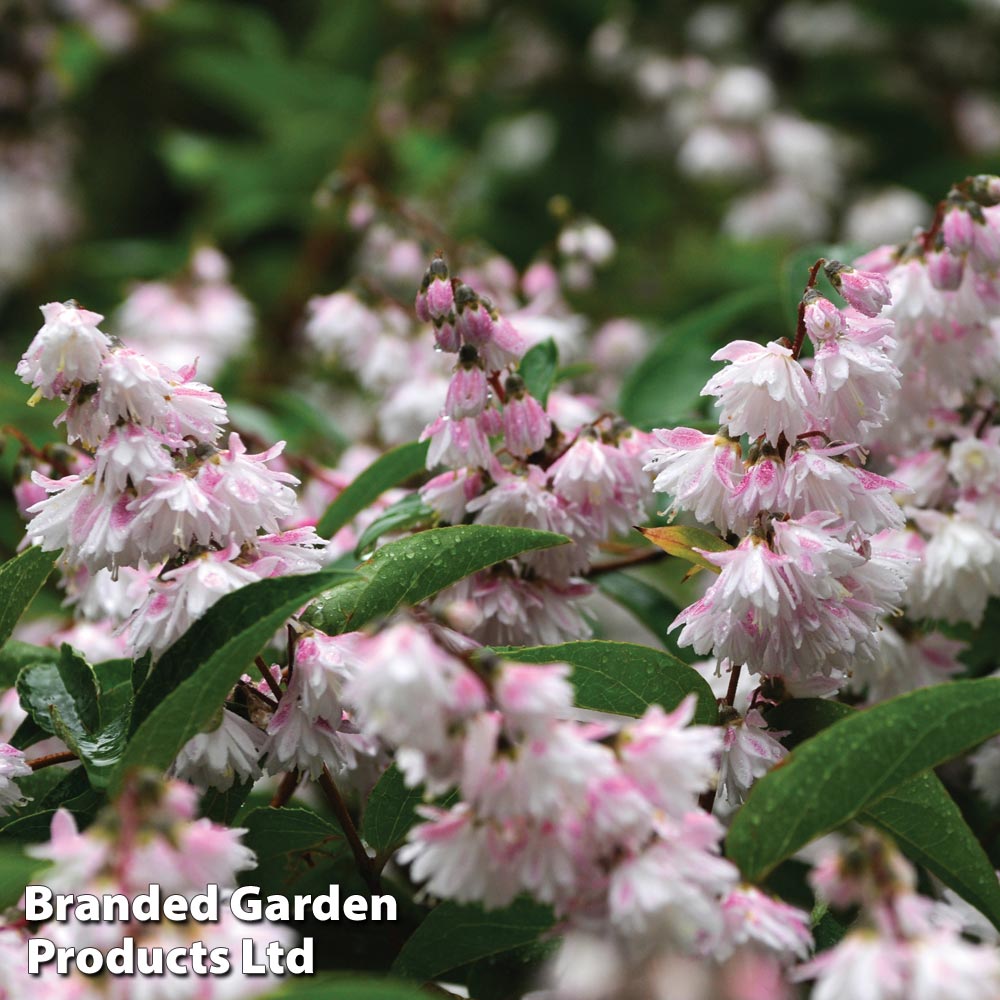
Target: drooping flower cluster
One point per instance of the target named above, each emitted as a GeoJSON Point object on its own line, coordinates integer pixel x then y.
{"type": "Point", "coordinates": [510, 463]}
{"type": "Point", "coordinates": [366, 333]}
{"type": "Point", "coordinates": [803, 592]}
{"type": "Point", "coordinates": [155, 491]}
{"type": "Point", "coordinates": [600, 820]}
{"type": "Point", "coordinates": [905, 945]}
{"type": "Point", "coordinates": [150, 834]}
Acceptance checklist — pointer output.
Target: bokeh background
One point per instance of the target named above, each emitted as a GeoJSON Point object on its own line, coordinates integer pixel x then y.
{"type": "Point", "coordinates": [324, 144]}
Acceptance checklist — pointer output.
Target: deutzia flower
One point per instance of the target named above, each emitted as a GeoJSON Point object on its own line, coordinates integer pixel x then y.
{"type": "Point", "coordinates": [764, 392]}
{"type": "Point", "coordinates": [217, 757]}
{"type": "Point", "coordinates": [68, 349]}
{"type": "Point", "coordinates": [749, 751]}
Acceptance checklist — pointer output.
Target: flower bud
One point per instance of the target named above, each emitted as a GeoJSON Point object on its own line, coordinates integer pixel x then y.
{"type": "Point", "coordinates": [957, 229]}
{"type": "Point", "coordinates": [467, 393]}
{"type": "Point", "coordinates": [867, 291]}
{"type": "Point", "coordinates": [824, 321]}
{"type": "Point", "coordinates": [945, 270]}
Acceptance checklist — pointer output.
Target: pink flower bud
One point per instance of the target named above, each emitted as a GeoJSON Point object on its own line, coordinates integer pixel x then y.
{"type": "Point", "coordinates": [957, 229]}
{"type": "Point", "coordinates": [466, 392]}
{"type": "Point", "coordinates": [475, 324]}
{"type": "Point", "coordinates": [824, 321]}
{"type": "Point", "coordinates": [446, 337]}
{"type": "Point", "coordinates": [526, 426]}
{"type": "Point", "coordinates": [867, 291]}
{"type": "Point", "coordinates": [440, 298]}
{"type": "Point", "coordinates": [945, 270]}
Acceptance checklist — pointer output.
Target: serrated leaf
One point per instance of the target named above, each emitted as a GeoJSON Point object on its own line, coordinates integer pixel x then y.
{"type": "Point", "coordinates": [20, 580]}
{"type": "Point", "coordinates": [623, 677]}
{"type": "Point", "coordinates": [387, 471]}
{"type": "Point", "coordinates": [191, 681]}
{"type": "Point", "coordinates": [413, 569]}
{"type": "Point", "coordinates": [920, 815]}
{"type": "Point", "coordinates": [538, 369]}
{"type": "Point", "coordinates": [852, 765]}
{"type": "Point", "coordinates": [410, 512]}
{"type": "Point", "coordinates": [454, 935]}
{"type": "Point", "coordinates": [683, 541]}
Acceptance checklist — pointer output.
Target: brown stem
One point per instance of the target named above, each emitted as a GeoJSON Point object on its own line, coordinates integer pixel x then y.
{"type": "Point", "coordinates": [734, 683]}
{"type": "Point", "coordinates": [268, 677]}
{"type": "Point", "coordinates": [800, 326]}
{"type": "Point", "coordinates": [626, 562]}
{"type": "Point", "coordinates": [63, 757]}
{"type": "Point", "coordinates": [23, 440]}
{"type": "Point", "coordinates": [285, 790]}
{"type": "Point", "coordinates": [365, 865]}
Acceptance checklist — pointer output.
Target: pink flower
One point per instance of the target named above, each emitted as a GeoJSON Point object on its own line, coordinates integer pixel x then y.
{"type": "Point", "coordinates": [763, 393]}
{"type": "Point", "coordinates": [824, 321]}
{"type": "Point", "coordinates": [754, 918]}
{"type": "Point", "coordinates": [700, 471]}
{"type": "Point", "coordinates": [67, 350]}
{"type": "Point", "coordinates": [457, 443]}
{"type": "Point", "coordinates": [449, 493]}
{"type": "Point", "coordinates": [748, 753]}
{"type": "Point", "coordinates": [532, 696]}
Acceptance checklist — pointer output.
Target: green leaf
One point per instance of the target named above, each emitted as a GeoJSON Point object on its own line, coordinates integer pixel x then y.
{"type": "Point", "coordinates": [664, 389]}
{"type": "Point", "coordinates": [64, 699]}
{"type": "Point", "coordinates": [347, 988]}
{"type": "Point", "coordinates": [853, 764]}
{"type": "Point", "coordinates": [454, 935]}
{"type": "Point", "coordinates": [224, 806]}
{"type": "Point", "coordinates": [17, 655]}
{"type": "Point", "coordinates": [538, 369]}
{"type": "Point", "coordinates": [650, 606]}
{"type": "Point", "coordinates": [920, 815]}
{"type": "Point", "coordinates": [278, 833]}
{"type": "Point", "coordinates": [413, 569]}
{"type": "Point", "coordinates": [16, 871]}
{"type": "Point", "coordinates": [390, 469]}
{"type": "Point", "coordinates": [410, 512]}
{"type": "Point", "coordinates": [390, 813]}
{"type": "Point", "coordinates": [20, 580]}
{"type": "Point", "coordinates": [191, 681]}
{"type": "Point", "coordinates": [623, 677]}
{"type": "Point", "coordinates": [62, 694]}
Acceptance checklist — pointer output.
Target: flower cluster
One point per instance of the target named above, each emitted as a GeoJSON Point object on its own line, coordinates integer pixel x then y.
{"type": "Point", "coordinates": [150, 834]}
{"type": "Point", "coordinates": [803, 592]}
{"type": "Point", "coordinates": [198, 315]}
{"type": "Point", "coordinates": [510, 463]}
{"type": "Point", "coordinates": [155, 491]}
{"type": "Point", "coordinates": [601, 820]}
{"type": "Point", "coordinates": [905, 944]}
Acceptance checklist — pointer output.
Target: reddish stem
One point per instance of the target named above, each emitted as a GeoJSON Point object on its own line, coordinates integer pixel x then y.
{"type": "Point", "coordinates": [63, 757]}
{"type": "Point", "coordinates": [800, 327]}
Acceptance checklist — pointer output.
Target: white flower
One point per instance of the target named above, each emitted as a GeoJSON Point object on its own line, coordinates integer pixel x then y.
{"type": "Point", "coordinates": [752, 917]}
{"type": "Point", "coordinates": [217, 757]}
{"type": "Point", "coordinates": [68, 349]}
{"type": "Point", "coordinates": [764, 392]}
{"type": "Point", "coordinates": [698, 470]}
{"type": "Point", "coordinates": [181, 596]}
{"type": "Point", "coordinates": [960, 570]}
{"type": "Point", "coordinates": [131, 454]}
{"type": "Point", "coordinates": [748, 753]}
